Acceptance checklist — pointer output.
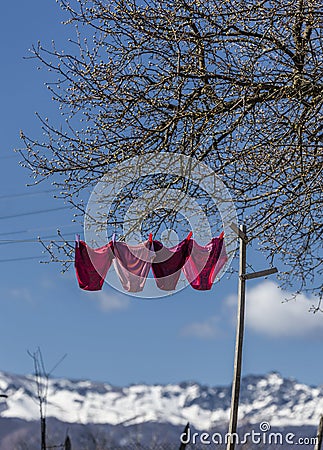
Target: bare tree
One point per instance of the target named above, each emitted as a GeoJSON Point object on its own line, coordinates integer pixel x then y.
{"type": "Point", "coordinates": [42, 382]}
{"type": "Point", "coordinates": [235, 84]}
{"type": "Point", "coordinates": [41, 379]}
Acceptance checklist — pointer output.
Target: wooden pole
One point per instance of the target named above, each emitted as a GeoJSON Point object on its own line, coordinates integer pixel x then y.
{"type": "Point", "coordinates": [232, 437]}
{"type": "Point", "coordinates": [239, 340]}
{"type": "Point", "coordinates": [319, 435]}
{"type": "Point", "coordinates": [43, 433]}
{"type": "Point", "coordinates": [67, 444]}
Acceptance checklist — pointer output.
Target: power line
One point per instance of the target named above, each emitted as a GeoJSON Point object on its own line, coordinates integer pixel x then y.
{"type": "Point", "coordinates": [20, 259]}
{"type": "Point", "coordinates": [30, 213]}
{"type": "Point", "coordinates": [35, 240]}
{"type": "Point", "coordinates": [32, 230]}
{"type": "Point", "coordinates": [27, 194]}
{"type": "Point", "coordinates": [17, 241]}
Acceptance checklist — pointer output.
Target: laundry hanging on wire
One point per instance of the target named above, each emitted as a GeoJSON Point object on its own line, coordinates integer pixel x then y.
{"type": "Point", "coordinates": [132, 263]}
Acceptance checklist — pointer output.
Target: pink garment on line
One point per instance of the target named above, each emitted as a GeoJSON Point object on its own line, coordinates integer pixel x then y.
{"type": "Point", "coordinates": [132, 264]}
{"type": "Point", "coordinates": [204, 263]}
{"type": "Point", "coordinates": [168, 263]}
{"type": "Point", "coordinates": [92, 265]}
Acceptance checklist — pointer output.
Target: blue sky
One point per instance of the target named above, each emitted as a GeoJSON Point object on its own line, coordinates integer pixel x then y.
{"type": "Point", "coordinates": [109, 336]}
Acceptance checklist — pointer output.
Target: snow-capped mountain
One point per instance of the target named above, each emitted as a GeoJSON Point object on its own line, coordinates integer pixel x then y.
{"type": "Point", "coordinates": [271, 398]}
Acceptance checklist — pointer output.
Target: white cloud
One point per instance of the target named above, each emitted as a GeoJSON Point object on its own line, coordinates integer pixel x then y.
{"type": "Point", "coordinates": [47, 283]}
{"type": "Point", "coordinates": [111, 302]}
{"type": "Point", "coordinates": [268, 312]}
{"type": "Point", "coordinates": [207, 329]}
{"type": "Point", "coordinates": [20, 293]}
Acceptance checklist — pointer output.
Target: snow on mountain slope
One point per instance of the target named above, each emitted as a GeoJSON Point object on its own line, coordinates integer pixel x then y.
{"type": "Point", "coordinates": [281, 402]}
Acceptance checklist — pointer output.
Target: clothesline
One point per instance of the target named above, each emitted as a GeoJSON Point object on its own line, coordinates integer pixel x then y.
{"type": "Point", "coordinates": [132, 263]}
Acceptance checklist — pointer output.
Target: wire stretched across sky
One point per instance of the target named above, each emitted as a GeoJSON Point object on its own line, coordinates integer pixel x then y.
{"type": "Point", "coordinates": [30, 213]}
{"type": "Point", "coordinates": [33, 230]}
{"type": "Point", "coordinates": [34, 240]}
{"type": "Point", "coordinates": [27, 194]}
{"type": "Point", "coordinates": [20, 259]}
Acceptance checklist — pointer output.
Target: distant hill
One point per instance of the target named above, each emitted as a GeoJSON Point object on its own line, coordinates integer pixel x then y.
{"type": "Point", "coordinates": [142, 413]}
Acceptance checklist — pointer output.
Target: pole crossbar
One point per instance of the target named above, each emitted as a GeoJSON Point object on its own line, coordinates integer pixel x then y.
{"type": "Point", "coordinates": [261, 273]}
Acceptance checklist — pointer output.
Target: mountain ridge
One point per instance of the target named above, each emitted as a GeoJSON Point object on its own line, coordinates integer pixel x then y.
{"type": "Point", "coordinates": [272, 398]}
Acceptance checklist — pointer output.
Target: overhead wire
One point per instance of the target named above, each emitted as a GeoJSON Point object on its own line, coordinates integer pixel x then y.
{"type": "Point", "coordinates": [29, 213]}
{"type": "Point", "coordinates": [20, 259]}
{"type": "Point", "coordinates": [27, 194]}
{"type": "Point", "coordinates": [32, 230]}
{"type": "Point", "coordinates": [34, 240]}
